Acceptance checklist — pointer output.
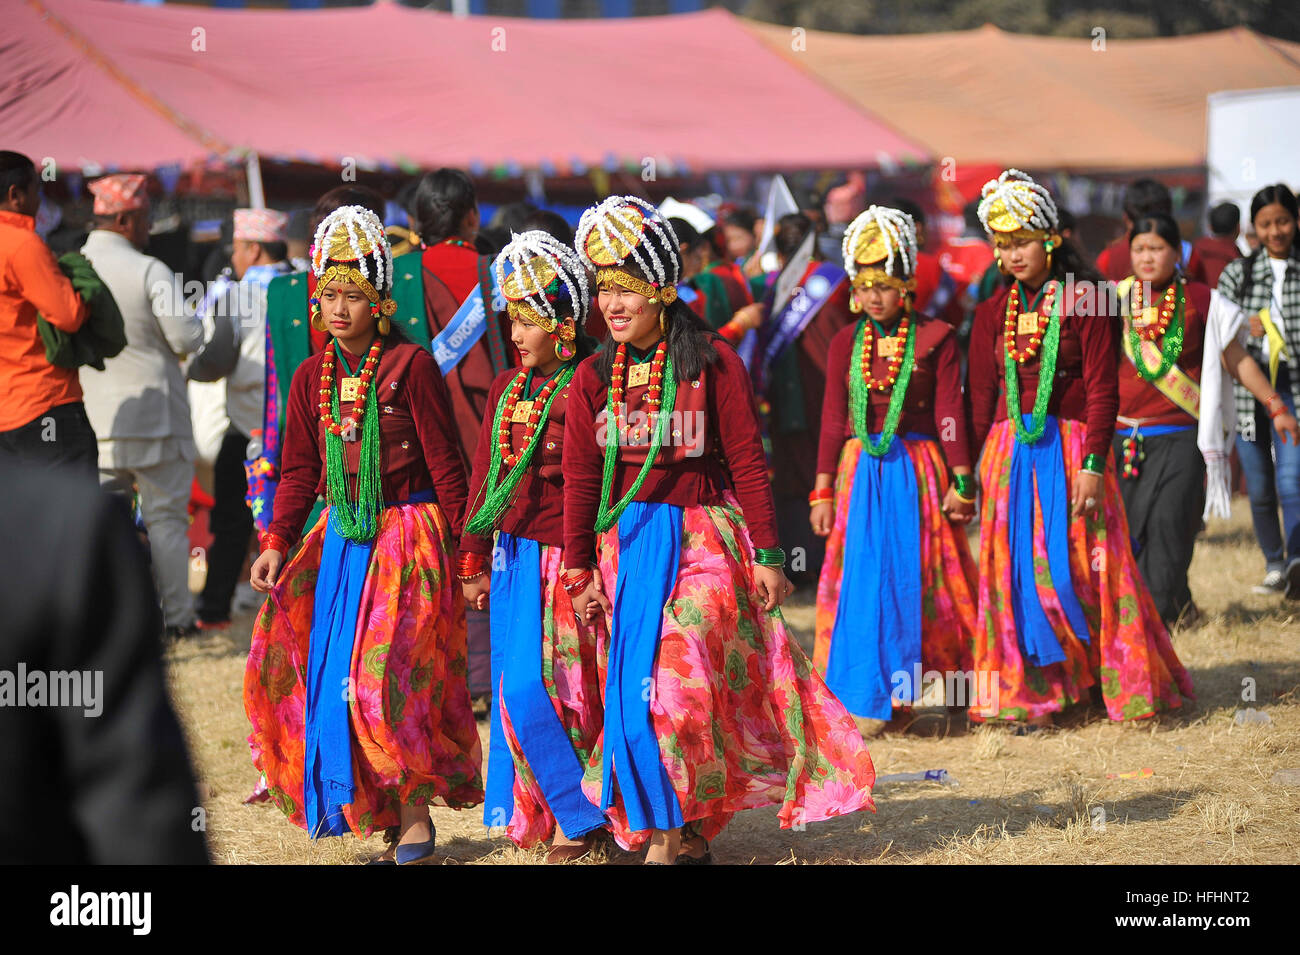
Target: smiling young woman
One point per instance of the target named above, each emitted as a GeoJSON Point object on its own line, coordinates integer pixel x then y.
{"type": "Point", "coordinates": [1060, 595]}
{"type": "Point", "coordinates": [546, 706]}
{"type": "Point", "coordinates": [1266, 286]}
{"type": "Point", "coordinates": [368, 603]}
{"type": "Point", "coordinates": [710, 705]}
{"type": "Point", "coordinates": [897, 588]}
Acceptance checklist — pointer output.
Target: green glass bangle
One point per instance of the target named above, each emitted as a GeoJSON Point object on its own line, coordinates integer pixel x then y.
{"type": "Point", "coordinates": [965, 485]}
{"type": "Point", "coordinates": [1095, 463]}
{"type": "Point", "coordinates": [770, 556]}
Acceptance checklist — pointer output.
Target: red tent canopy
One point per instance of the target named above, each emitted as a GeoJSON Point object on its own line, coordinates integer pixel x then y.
{"type": "Point", "coordinates": [141, 86]}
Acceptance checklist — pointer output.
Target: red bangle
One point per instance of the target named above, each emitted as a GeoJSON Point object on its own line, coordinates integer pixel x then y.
{"type": "Point", "coordinates": [821, 494]}
{"type": "Point", "coordinates": [273, 542]}
{"type": "Point", "coordinates": [470, 566]}
{"type": "Point", "coordinates": [576, 585]}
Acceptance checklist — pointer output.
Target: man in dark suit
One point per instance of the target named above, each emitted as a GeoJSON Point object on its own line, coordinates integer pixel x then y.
{"type": "Point", "coordinates": [93, 758]}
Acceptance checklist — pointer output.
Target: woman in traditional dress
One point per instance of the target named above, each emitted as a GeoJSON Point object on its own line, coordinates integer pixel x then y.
{"type": "Point", "coordinates": [355, 683]}
{"type": "Point", "coordinates": [1162, 473]}
{"type": "Point", "coordinates": [1162, 469]}
{"type": "Point", "coordinates": [896, 597]}
{"type": "Point", "coordinates": [1062, 604]}
{"type": "Point", "coordinates": [710, 705]}
{"type": "Point", "coordinates": [546, 713]}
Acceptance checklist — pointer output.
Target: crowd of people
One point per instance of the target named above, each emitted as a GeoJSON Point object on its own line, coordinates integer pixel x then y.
{"type": "Point", "coordinates": [565, 471]}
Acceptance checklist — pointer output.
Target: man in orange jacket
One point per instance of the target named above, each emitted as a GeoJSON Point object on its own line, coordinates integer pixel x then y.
{"type": "Point", "coordinates": [42, 421]}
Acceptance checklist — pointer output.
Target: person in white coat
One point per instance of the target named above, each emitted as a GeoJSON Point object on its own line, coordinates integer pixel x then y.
{"type": "Point", "coordinates": [137, 404]}
{"type": "Point", "coordinates": [257, 256]}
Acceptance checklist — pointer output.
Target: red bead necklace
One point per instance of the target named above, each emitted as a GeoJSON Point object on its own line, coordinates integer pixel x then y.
{"type": "Point", "coordinates": [895, 360]}
{"type": "Point", "coordinates": [353, 420]}
{"type": "Point", "coordinates": [1010, 326]}
{"type": "Point", "coordinates": [509, 456]}
{"type": "Point", "coordinates": [618, 385]}
{"type": "Point", "coordinates": [1157, 330]}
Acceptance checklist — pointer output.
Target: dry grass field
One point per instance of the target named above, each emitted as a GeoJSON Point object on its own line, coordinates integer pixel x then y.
{"type": "Point", "coordinates": [1052, 797]}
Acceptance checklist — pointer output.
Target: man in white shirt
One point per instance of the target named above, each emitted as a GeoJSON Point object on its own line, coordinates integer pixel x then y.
{"type": "Point", "coordinates": [137, 404]}
{"type": "Point", "coordinates": [257, 256]}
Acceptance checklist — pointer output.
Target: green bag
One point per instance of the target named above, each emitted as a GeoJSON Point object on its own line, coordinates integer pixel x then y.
{"type": "Point", "coordinates": [101, 336]}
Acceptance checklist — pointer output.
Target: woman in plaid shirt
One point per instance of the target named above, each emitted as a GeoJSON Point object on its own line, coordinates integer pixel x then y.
{"type": "Point", "coordinates": [1266, 285]}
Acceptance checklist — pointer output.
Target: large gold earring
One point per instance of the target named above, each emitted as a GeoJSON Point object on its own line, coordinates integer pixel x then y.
{"type": "Point", "coordinates": [1049, 245]}
{"type": "Point", "coordinates": [1001, 265]}
{"type": "Point", "coordinates": [317, 320]}
{"type": "Point", "coordinates": [854, 305]}
{"type": "Point", "coordinates": [384, 325]}
{"type": "Point", "coordinates": [663, 322]}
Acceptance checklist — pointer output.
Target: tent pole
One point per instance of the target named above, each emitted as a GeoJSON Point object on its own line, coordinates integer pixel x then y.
{"type": "Point", "coordinates": [253, 171]}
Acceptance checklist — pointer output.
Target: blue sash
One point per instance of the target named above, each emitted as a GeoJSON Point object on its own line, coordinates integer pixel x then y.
{"type": "Point", "coordinates": [464, 330]}
{"type": "Point", "coordinates": [542, 737]}
{"type": "Point", "coordinates": [649, 549]}
{"type": "Point", "coordinates": [877, 629]}
{"type": "Point", "coordinates": [781, 329]}
{"type": "Point", "coordinates": [1044, 461]}
{"type": "Point", "coordinates": [327, 750]}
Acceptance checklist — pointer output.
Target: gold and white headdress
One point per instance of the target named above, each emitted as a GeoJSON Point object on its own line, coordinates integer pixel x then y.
{"type": "Point", "coordinates": [880, 247]}
{"type": "Point", "coordinates": [351, 246]}
{"type": "Point", "coordinates": [1014, 203]}
{"type": "Point", "coordinates": [545, 273]}
{"type": "Point", "coordinates": [625, 227]}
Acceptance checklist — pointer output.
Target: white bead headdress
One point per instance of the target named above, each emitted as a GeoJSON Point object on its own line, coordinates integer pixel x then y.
{"type": "Point", "coordinates": [615, 230]}
{"type": "Point", "coordinates": [537, 260]}
{"type": "Point", "coordinates": [881, 235]}
{"type": "Point", "coordinates": [353, 235]}
{"type": "Point", "coordinates": [1014, 202]}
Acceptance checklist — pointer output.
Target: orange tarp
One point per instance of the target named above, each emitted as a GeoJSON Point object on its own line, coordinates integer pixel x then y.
{"type": "Point", "coordinates": [1043, 102]}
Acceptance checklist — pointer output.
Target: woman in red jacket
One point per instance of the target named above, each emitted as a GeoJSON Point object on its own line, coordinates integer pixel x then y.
{"type": "Point", "coordinates": [546, 713]}
{"type": "Point", "coordinates": [1162, 473]}
{"type": "Point", "coordinates": [1060, 595]}
{"type": "Point", "coordinates": [355, 682]}
{"type": "Point", "coordinates": [896, 597]}
{"type": "Point", "coordinates": [710, 705]}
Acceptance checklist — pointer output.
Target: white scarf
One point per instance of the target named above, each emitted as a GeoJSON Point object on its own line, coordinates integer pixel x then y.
{"type": "Point", "coordinates": [1225, 323]}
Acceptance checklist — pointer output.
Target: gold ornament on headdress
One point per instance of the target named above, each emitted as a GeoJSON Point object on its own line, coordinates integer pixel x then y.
{"type": "Point", "coordinates": [1013, 204]}
{"type": "Point", "coordinates": [866, 278]}
{"type": "Point", "coordinates": [870, 246]}
{"type": "Point", "coordinates": [880, 249]}
{"type": "Point", "coordinates": [346, 240]}
{"type": "Point", "coordinates": [624, 234]}
{"type": "Point", "coordinates": [628, 230]}
{"type": "Point", "coordinates": [350, 273]}
{"type": "Point", "coordinates": [625, 279]}
{"type": "Point", "coordinates": [543, 272]}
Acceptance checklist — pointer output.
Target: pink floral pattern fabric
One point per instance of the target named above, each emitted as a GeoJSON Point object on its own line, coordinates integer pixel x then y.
{"type": "Point", "coordinates": [414, 739]}
{"type": "Point", "coordinates": [572, 680]}
{"type": "Point", "coordinates": [1129, 655]}
{"type": "Point", "coordinates": [949, 574]}
{"type": "Point", "coordinates": [742, 719]}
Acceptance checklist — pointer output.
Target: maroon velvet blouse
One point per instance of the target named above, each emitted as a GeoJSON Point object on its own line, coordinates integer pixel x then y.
{"type": "Point", "coordinates": [418, 446]}
{"type": "Point", "coordinates": [933, 405]}
{"type": "Point", "coordinates": [715, 445]}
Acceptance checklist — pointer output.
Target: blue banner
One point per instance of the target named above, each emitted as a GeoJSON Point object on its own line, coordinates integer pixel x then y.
{"type": "Point", "coordinates": [452, 344]}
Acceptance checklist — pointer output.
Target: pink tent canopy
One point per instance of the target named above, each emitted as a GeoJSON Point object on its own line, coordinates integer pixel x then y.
{"type": "Point", "coordinates": [386, 85]}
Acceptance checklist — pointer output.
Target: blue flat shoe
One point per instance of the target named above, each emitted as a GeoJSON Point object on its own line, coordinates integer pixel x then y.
{"type": "Point", "coordinates": [417, 852]}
